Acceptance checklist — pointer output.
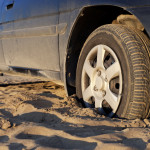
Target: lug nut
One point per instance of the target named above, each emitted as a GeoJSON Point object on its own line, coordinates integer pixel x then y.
{"type": "Point", "coordinates": [103, 93]}
{"type": "Point", "coordinates": [99, 73]}
{"type": "Point", "coordinates": [95, 88]}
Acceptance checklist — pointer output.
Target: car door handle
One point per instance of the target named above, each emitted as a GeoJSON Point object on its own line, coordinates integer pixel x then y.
{"type": "Point", "coordinates": [10, 5]}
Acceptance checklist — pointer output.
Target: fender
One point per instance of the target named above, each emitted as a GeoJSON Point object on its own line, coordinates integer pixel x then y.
{"type": "Point", "coordinates": [140, 9]}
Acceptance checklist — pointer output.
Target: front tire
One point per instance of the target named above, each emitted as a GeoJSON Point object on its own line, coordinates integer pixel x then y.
{"type": "Point", "coordinates": [113, 73]}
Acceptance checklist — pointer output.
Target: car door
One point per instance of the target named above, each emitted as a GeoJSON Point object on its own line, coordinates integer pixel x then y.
{"type": "Point", "coordinates": [2, 60]}
{"type": "Point", "coordinates": [30, 38]}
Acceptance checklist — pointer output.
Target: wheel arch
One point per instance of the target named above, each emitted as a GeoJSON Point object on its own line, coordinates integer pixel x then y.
{"type": "Point", "coordinates": [84, 25]}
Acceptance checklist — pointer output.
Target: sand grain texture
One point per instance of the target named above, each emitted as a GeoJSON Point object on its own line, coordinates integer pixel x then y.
{"type": "Point", "coordinates": [37, 115]}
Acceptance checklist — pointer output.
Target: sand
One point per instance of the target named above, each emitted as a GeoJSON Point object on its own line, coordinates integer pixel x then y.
{"type": "Point", "coordinates": [37, 115]}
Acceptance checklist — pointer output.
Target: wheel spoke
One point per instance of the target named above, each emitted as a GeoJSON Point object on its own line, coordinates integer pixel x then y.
{"type": "Point", "coordinates": [100, 57]}
{"type": "Point", "coordinates": [88, 68]}
{"type": "Point", "coordinates": [98, 103]}
{"type": "Point", "coordinates": [111, 99]}
{"type": "Point", "coordinates": [113, 71]}
{"type": "Point", "coordinates": [87, 94]}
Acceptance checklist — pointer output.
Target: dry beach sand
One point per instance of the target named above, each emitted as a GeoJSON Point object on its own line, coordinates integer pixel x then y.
{"type": "Point", "coordinates": [36, 115]}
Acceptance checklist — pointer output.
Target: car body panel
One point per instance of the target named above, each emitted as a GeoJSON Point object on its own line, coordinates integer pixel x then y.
{"type": "Point", "coordinates": [30, 33]}
{"type": "Point", "coordinates": [143, 14]}
{"type": "Point", "coordinates": [74, 4]}
{"type": "Point", "coordinates": [35, 34]}
{"type": "Point", "coordinates": [2, 60]}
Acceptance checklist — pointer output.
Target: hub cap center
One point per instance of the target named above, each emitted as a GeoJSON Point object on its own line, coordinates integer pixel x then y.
{"type": "Point", "coordinates": [99, 83]}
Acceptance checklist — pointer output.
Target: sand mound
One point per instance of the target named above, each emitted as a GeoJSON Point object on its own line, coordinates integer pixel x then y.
{"type": "Point", "coordinates": [39, 116]}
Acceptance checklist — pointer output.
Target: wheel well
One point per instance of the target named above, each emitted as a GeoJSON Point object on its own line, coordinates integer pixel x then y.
{"type": "Point", "coordinates": [89, 19]}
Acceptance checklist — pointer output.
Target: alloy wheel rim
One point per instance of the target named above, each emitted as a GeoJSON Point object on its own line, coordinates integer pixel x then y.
{"type": "Point", "coordinates": [101, 80]}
